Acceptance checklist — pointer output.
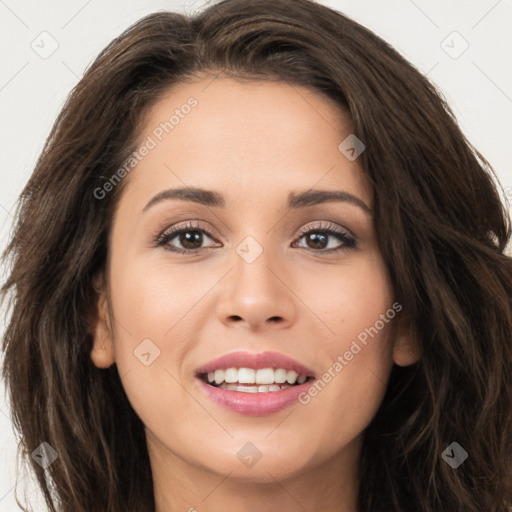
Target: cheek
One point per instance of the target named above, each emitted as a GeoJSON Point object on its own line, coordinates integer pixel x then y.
{"type": "Point", "coordinates": [152, 305]}
{"type": "Point", "coordinates": [150, 298]}
{"type": "Point", "coordinates": [346, 396]}
{"type": "Point", "coordinates": [149, 302]}
{"type": "Point", "coordinates": [357, 353]}
{"type": "Point", "coordinates": [348, 299]}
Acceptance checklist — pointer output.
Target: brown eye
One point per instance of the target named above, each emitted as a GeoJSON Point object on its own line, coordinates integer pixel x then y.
{"type": "Point", "coordinates": [184, 239]}
{"type": "Point", "coordinates": [190, 239]}
{"type": "Point", "coordinates": [323, 238]}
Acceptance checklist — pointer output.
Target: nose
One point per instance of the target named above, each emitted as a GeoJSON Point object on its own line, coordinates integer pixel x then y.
{"type": "Point", "coordinates": [258, 295]}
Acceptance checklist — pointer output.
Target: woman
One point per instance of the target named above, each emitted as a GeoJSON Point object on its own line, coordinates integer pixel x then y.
{"type": "Point", "coordinates": [259, 267]}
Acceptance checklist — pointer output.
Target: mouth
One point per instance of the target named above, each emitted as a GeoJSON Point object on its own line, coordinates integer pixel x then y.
{"type": "Point", "coordinates": [250, 380]}
{"type": "Point", "coordinates": [254, 384]}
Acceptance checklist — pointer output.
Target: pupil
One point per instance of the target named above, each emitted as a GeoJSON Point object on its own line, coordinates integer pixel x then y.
{"type": "Point", "coordinates": [315, 239]}
{"type": "Point", "coordinates": [186, 240]}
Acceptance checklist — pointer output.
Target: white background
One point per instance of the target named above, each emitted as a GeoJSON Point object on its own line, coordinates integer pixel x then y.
{"type": "Point", "coordinates": [477, 84]}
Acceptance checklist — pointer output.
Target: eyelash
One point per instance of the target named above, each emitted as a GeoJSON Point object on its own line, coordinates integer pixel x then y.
{"type": "Point", "coordinates": [347, 239]}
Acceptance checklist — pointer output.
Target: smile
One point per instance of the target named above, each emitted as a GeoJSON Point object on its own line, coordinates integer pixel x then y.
{"type": "Point", "coordinates": [254, 384]}
{"type": "Point", "coordinates": [250, 380]}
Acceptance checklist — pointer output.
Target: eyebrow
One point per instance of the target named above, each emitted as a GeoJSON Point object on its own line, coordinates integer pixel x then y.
{"type": "Point", "coordinates": [295, 201]}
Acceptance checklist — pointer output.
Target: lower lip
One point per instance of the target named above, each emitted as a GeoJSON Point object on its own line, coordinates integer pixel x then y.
{"type": "Point", "coordinates": [254, 404]}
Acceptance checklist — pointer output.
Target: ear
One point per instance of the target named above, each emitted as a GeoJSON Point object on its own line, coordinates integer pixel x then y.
{"type": "Point", "coordinates": [406, 346]}
{"type": "Point", "coordinates": [102, 353]}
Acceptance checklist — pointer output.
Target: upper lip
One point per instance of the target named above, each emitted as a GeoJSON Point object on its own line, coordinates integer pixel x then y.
{"type": "Point", "coordinates": [256, 361]}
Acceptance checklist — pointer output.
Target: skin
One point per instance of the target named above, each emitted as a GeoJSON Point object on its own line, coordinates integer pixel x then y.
{"type": "Point", "coordinates": [253, 142]}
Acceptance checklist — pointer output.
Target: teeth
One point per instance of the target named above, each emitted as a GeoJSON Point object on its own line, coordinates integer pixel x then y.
{"type": "Point", "coordinates": [246, 375]}
{"type": "Point", "coordinates": [291, 377]}
{"type": "Point", "coordinates": [219, 376]}
{"type": "Point", "coordinates": [280, 376]}
{"type": "Point", "coordinates": [262, 378]}
{"type": "Point", "coordinates": [247, 389]}
{"type": "Point", "coordinates": [265, 376]}
{"type": "Point", "coordinates": [231, 375]}
{"type": "Point", "coordinates": [254, 389]}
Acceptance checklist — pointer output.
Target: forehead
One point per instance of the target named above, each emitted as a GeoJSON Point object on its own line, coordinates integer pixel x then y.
{"type": "Point", "coordinates": [220, 132]}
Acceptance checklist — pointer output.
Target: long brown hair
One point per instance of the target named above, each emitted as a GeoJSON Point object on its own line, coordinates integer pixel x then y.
{"type": "Point", "coordinates": [442, 230]}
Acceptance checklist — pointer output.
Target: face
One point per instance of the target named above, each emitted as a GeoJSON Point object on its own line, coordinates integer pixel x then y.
{"type": "Point", "coordinates": [263, 269]}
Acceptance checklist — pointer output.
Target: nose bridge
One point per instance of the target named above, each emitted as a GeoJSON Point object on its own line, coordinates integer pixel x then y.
{"type": "Point", "coordinates": [254, 279]}
{"type": "Point", "coordinates": [256, 294]}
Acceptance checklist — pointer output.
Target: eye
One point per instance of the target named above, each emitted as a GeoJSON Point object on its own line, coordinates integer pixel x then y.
{"type": "Point", "coordinates": [318, 238]}
{"type": "Point", "coordinates": [190, 238]}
